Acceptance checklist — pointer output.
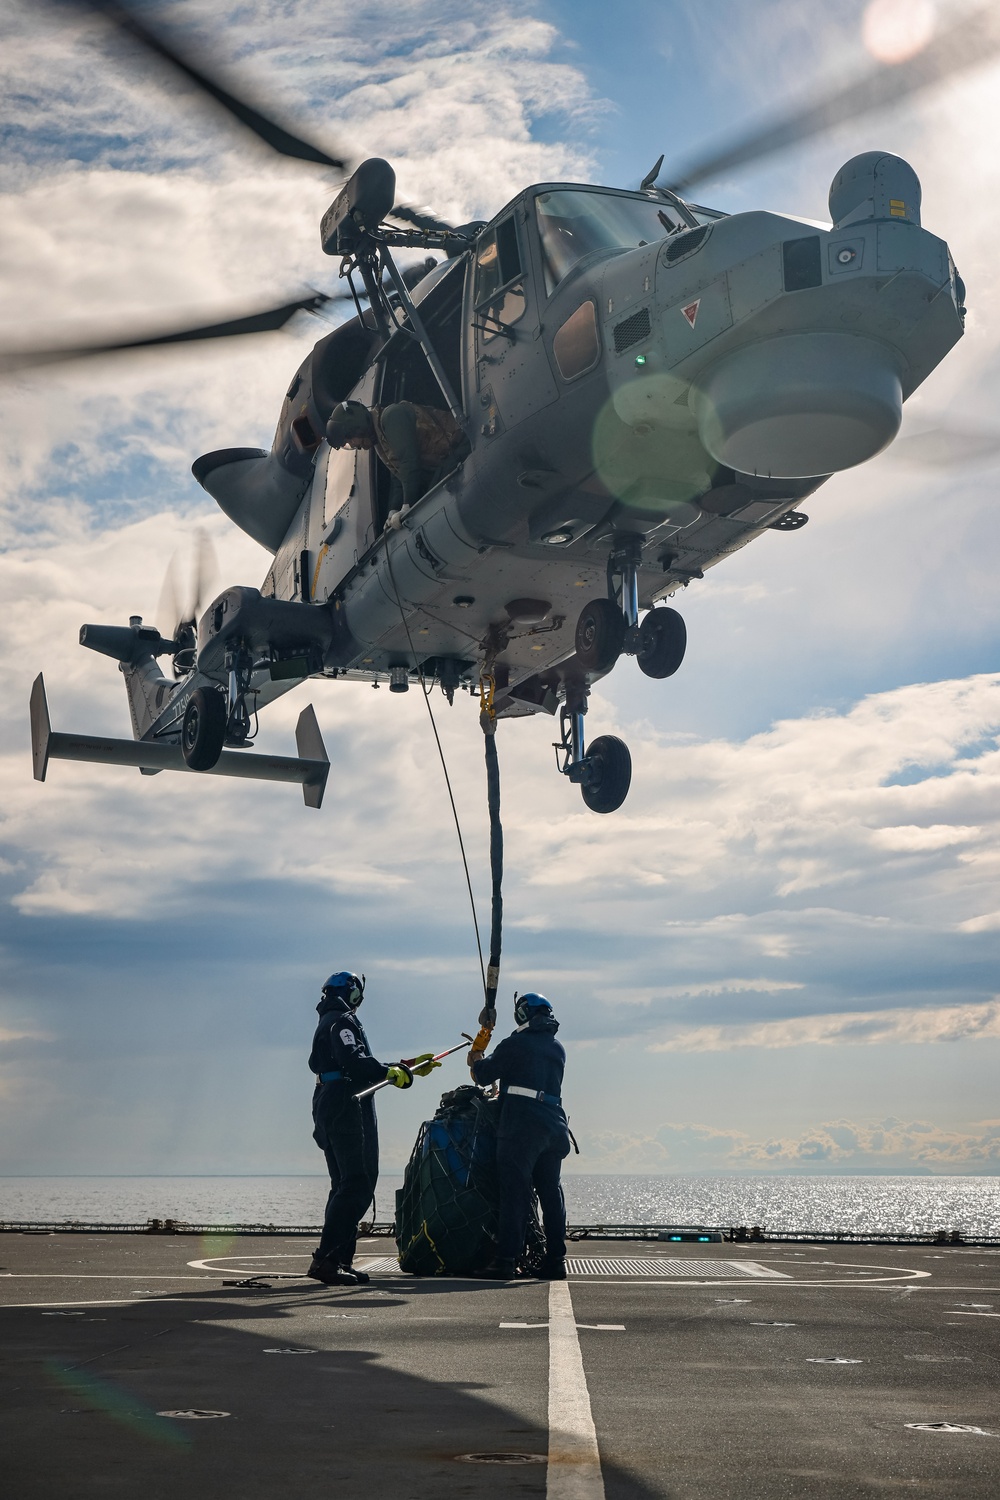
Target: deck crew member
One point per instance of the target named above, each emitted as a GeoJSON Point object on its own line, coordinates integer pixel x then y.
{"type": "Point", "coordinates": [345, 1128]}
{"type": "Point", "coordinates": [418, 444]}
{"type": "Point", "coordinates": [533, 1137]}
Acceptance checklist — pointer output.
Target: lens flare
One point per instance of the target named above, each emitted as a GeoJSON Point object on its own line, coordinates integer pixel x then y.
{"type": "Point", "coordinates": [895, 30]}
{"type": "Point", "coordinates": [116, 1402]}
{"type": "Point", "coordinates": [215, 1246]}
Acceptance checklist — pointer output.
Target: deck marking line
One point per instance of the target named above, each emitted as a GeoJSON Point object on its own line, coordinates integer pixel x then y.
{"type": "Point", "coordinates": [574, 1466]}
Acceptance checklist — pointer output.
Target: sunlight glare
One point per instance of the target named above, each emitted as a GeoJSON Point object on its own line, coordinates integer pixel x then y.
{"type": "Point", "coordinates": [895, 30]}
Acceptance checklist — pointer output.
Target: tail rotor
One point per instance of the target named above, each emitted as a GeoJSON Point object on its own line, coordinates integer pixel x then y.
{"type": "Point", "coordinates": [187, 587]}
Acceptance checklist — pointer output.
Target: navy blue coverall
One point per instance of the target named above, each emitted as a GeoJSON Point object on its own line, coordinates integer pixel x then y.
{"type": "Point", "coordinates": [345, 1129]}
{"type": "Point", "coordinates": [533, 1137]}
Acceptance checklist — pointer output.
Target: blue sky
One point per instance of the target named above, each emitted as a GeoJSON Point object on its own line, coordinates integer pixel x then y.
{"type": "Point", "coordinates": [783, 951]}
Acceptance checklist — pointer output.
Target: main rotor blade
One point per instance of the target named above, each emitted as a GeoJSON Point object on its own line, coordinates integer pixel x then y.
{"type": "Point", "coordinates": [972, 40]}
{"type": "Point", "coordinates": [420, 220]}
{"type": "Point", "coordinates": [266, 129]}
{"type": "Point", "coordinates": [268, 321]}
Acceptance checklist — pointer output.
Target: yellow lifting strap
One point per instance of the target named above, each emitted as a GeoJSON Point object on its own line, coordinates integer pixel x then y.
{"type": "Point", "coordinates": [487, 693]}
{"type": "Point", "coordinates": [479, 1046]}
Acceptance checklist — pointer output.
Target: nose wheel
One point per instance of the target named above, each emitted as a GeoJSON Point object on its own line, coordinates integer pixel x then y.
{"type": "Point", "coordinates": [604, 772]}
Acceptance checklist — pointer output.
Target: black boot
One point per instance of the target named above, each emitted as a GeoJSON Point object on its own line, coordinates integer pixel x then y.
{"type": "Point", "coordinates": [553, 1269]}
{"type": "Point", "coordinates": [497, 1270]}
{"type": "Point", "coordinates": [324, 1269]}
{"type": "Point", "coordinates": [347, 1276]}
{"type": "Point", "coordinates": [362, 1277]}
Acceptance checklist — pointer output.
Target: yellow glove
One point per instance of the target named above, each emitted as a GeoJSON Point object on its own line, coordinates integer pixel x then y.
{"type": "Point", "coordinates": [424, 1064]}
{"type": "Point", "coordinates": [399, 1076]}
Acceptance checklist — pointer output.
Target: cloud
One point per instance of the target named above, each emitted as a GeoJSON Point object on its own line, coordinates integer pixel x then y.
{"type": "Point", "coordinates": [694, 990]}
{"type": "Point", "coordinates": [709, 874]}
{"type": "Point", "coordinates": [988, 922]}
{"type": "Point", "coordinates": [953, 1023]}
{"type": "Point", "coordinates": [839, 1144]}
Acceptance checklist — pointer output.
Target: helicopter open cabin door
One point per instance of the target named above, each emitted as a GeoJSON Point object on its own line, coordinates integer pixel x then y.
{"type": "Point", "coordinates": [337, 544]}
{"type": "Point", "coordinates": [512, 373]}
{"type": "Point", "coordinates": [405, 373]}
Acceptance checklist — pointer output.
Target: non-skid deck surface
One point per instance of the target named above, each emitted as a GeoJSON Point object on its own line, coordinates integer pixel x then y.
{"type": "Point", "coordinates": [128, 1368]}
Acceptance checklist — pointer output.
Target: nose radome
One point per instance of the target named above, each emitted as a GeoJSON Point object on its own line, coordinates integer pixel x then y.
{"type": "Point", "coordinates": [799, 405]}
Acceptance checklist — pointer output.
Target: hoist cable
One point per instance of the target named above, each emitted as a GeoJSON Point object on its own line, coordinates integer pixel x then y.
{"type": "Point", "coordinates": [489, 1014]}
{"type": "Point", "coordinates": [444, 768]}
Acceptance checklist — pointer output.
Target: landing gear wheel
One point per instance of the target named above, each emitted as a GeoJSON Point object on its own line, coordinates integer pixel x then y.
{"type": "Point", "coordinates": [662, 643]}
{"type": "Point", "coordinates": [600, 635]}
{"type": "Point", "coordinates": [610, 765]}
{"type": "Point", "coordinates": [204, 731]}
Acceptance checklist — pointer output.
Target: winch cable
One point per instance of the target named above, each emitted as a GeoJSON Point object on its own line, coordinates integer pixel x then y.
{"type": "Point", "coordinates": [451, 796]}
{"type": "Point", "coordinates": [488, 721]}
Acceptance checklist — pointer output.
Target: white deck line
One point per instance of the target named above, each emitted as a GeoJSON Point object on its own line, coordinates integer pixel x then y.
{"type": "Point", "coordinates": [574, 1468]}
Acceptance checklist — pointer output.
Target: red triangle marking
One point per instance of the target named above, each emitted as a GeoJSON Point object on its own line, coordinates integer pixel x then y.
{"type": "Point", "coordinates": [691, 311]}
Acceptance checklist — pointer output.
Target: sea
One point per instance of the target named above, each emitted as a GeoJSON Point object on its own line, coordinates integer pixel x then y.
{"type": "Point", "coordinates": [821, 1204]}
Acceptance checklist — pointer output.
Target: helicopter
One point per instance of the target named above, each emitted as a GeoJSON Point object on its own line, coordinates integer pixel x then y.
{"type": "Point", "coordinates": [646, 385]}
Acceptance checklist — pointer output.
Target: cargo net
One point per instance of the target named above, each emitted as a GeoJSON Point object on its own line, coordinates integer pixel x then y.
{"type": "Point", "coordinates": [447, 1209]}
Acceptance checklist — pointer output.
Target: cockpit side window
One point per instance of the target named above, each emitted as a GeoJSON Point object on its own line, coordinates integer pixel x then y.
{"type": "Point", "coordinates": [500, 299]}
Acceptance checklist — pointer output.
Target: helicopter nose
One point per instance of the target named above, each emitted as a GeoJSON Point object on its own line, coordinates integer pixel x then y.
{"type": "Point", "coordinates": [800, 405]}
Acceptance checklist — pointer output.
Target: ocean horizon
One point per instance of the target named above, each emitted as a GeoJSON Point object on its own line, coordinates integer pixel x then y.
{"type": "Point", "coordinates": [833, 1202]}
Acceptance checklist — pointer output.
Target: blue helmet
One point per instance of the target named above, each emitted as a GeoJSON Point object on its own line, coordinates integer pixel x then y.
{"type": "Point", "coordinates": [525, 1005]}
{"type": "Point", "coordinates": [347, 986]}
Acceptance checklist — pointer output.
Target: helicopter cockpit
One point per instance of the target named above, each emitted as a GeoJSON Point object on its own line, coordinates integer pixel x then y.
{"type": "Point", "coordinates": [576, 223]}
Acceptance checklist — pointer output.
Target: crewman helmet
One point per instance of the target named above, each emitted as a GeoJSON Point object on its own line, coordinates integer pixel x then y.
{"type": "Point", "coordinates": [349, 419]}
{"type": "Point", "coordinates": [347, 987]}
{"type": "Point", "coordinates": [527, 1005]}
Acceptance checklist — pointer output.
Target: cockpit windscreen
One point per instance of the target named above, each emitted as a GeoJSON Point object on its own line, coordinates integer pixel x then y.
{"type": "Point", "coordinates": [573, 223]}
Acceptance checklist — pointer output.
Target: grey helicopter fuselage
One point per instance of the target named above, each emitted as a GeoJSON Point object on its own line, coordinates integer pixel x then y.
{"type": "Point", "coordinates": [629, 367]}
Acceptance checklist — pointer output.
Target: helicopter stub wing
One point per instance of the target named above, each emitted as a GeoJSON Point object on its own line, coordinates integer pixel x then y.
{"type": "Point", "coordinates": [309, 770]}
